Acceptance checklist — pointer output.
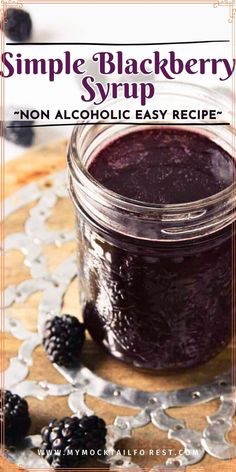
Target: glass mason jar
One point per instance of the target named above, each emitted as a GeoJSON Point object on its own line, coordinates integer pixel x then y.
{"type": "Point", "coordinates": [155, 280]}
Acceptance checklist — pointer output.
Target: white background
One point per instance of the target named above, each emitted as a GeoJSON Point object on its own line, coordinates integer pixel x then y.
{"type": "Point", "coordinates": [110, 23]}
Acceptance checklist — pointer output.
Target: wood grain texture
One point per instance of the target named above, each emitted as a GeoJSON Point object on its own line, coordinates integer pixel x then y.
{"type": "Point", "coordinates": [36, 164]}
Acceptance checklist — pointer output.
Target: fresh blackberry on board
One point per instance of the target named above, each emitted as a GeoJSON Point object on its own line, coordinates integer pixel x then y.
{"type": "Point", "coordinates": [63, 339]}
{"type": "Point", "coordinates": [15, 417]}
{"type": "Point", "coordinates": [67, 438]}
{"type": "Point", "coordinates": [18, 25]}
{"type": "Point", "coordinates": [19, 133]}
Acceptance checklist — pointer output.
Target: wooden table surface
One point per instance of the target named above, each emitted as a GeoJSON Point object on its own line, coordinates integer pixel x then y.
{"type": "Point", "coordinates": [39, 163]}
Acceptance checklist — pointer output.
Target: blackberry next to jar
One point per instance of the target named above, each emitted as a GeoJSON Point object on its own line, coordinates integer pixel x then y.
{"type": "Point", "coordinates": [155, 209]}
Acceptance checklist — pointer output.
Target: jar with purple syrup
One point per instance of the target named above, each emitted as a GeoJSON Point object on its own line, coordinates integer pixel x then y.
{"type": "Point", "coordinates": [155, 211]}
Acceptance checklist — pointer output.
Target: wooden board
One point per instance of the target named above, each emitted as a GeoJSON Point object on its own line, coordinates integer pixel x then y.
{"type": "Point", "coordinates": [39, 163]}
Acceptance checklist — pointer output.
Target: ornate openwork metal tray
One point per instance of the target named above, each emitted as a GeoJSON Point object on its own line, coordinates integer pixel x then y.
{"type": "Point", "coordinates": [83, 382]}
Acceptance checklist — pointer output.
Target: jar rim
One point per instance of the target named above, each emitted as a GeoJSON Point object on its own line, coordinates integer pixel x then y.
{"type": "Point", "coordinates": [171, 211]}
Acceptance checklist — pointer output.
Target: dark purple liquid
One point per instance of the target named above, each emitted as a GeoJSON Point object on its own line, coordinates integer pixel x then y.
{"type": "Point", "coordinates": [155, 304]}
{"type": "Point", "coordinates": [163, 166]}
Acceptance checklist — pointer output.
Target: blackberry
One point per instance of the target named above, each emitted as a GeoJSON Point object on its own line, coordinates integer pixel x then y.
{"type": "Point", "coordinates": [63, 339]}
{"type": "Point", "coordinates": [14, 416]}
{"type": "Point", "coordinates": [19, 135]}
{"type": "Point", "coordinates": [18, 24]}
{"type": "Point", "coordinates": [94, 432]}
{"type": "Point", "coordinates": [67, 442]}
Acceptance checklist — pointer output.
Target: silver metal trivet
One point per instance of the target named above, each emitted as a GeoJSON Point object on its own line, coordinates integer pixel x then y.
{"type": "Point", "coordinates": [82, 381]}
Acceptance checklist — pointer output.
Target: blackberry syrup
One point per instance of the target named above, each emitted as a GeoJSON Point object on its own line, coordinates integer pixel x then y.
{"type": "Point", "coordinates": [158, 304]}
